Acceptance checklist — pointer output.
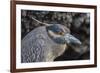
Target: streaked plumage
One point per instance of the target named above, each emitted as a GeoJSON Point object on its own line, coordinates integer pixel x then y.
{"type": "Point", "coordinates": [37, 46]}
{"type": "Point", "coordinates": [45, 43]}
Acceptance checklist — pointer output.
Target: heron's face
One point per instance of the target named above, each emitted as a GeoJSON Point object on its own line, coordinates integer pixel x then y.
{"type": "Point", "coordinates": [57, 30]}
{"type": "Point", "coordinates": [61, 34]}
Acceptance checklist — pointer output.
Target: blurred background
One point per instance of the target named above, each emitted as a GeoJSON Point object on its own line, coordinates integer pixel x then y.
{"type": "Point", "coordinates": [78, 23]}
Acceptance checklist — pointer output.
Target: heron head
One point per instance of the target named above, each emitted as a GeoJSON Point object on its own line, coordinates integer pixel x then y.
{"type": "Point", "coordinates": [61, 34]}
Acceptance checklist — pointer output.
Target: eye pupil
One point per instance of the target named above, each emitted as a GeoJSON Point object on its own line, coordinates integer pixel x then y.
{"type": "Point", "coordinates": [61, 33]}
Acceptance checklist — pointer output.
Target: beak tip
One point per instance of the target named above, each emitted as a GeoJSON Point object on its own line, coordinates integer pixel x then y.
{"type": "Point", "coordinates": [79, 42]}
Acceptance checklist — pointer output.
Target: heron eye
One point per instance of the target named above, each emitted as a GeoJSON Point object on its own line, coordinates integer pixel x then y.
{"type": "Point", "coordinates": [61, 33]}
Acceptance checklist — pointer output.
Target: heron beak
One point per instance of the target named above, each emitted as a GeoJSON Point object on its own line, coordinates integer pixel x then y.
{"type": "Point", "coordinates": [70, 39]}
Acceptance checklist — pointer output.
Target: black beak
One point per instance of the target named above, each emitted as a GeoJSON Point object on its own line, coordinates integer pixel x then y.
{"type": "Point", "coordinates": [72, 40]}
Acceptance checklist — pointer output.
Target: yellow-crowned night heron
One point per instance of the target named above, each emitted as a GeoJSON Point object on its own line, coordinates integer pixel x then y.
{"type": "Point", "coordinates": [45, 43]}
